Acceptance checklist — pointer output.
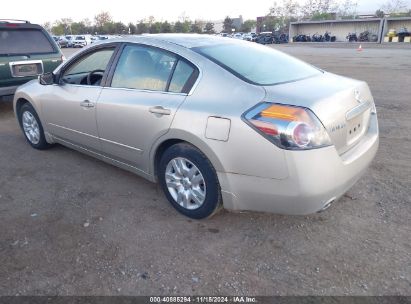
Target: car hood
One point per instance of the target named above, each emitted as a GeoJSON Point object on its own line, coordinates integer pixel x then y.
{"type": "Point", "coordinates": [330, 97]}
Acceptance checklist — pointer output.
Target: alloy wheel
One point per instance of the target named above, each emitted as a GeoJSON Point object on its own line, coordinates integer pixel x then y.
{"type": "Point", "coordinates": [185, 183]}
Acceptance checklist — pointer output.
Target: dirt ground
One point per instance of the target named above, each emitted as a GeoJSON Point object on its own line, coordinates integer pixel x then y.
{"type": "Point", "coordinates": [72, 225]}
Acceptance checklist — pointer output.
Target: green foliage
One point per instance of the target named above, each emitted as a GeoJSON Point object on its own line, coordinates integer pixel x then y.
{"type": "Point", "coordinates": [182, 27]}
{"type": "Point", "coordinates": [379, 13]}
{"type": "Point", "coordinates": [142, 27]}
{"type": "Point", "coordinates": [165, 27]}
{"type": "Point", "coordinates": [322, 16]}
{"type": "Point", "coordinates": [132, 28]}
{"type": "Point", "coordinates": [196, 27]}
{"type": "Point", "coordinates": [209, 28]}
{"type": "Point", "coordinates": [155, 28]}
{"type": "Point", "coordinates": [228, 24]}
{"type": "Point", "coordinates": [248, 25]}
{"type": "Point", "coordinates": [403, 14]}
{"type": "Point", "coordinates": [58, 29]}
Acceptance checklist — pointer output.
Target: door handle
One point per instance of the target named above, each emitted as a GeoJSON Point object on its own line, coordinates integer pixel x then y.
{"type": "Point", "coordinates": [159, 110]}
{"type": "Point", "coordinates": [87, 104]}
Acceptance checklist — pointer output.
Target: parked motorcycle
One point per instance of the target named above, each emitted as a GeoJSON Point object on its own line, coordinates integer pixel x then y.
{"type": "Point", "coordinates": [403, 32]}
{"type": "Point", "coordinates": [329, 38]}
{"type": "Point", "coordinates": [265, 39]}
{"type": "Point", "coordinates": [352, 37]}
{"type": "Point", "coordinates": [364, 36]}
{"type": "Point", "coordinates": [301, 38]}
{"type": "Point", "coordinates": [317, 38]}
{"type": "Point", "coordinates": [280, 38]}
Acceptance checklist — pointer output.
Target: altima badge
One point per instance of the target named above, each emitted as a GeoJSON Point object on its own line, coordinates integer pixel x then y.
{"type": "Point", "coordinates": [357, 96]}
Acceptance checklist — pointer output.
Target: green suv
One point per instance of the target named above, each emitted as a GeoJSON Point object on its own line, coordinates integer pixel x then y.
{"type": "Point", "coordinates": [26, 51]}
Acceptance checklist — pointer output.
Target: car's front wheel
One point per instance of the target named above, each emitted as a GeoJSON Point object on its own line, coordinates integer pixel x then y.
{"type": "Point", "coordinates": [32, 127]}
{"type": "Point", "coordinates": [189, 181]}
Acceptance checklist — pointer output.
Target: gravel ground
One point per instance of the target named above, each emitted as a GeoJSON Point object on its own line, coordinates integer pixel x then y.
{"type": "Point", "coordinates": [72, 225]}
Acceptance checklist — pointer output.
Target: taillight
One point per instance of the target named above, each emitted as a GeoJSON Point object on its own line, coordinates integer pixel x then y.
{"type": "Point", "coordinates": [288, 127]}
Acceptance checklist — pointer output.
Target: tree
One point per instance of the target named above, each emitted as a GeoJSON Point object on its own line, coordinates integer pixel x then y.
{"type": "Point", "coordinates": [120, 28]}
{"type": "Point", "coordinates": [322, 16]}
{"type": "Point", "coordinates": [318, 7]}
{"type": "Point", "coordinates": [182, 27]}
{"type": "Point", "coordinates": [348, 9]}
{"type": "Point", "coordinates": [155, 28]}
{"type": "Point", "coordinates": [47, 26]}
{"type": "Point", "coordinates": [58, 29]}
{"type": "Point", "coordinates": [102, 18]}
{"type": "Point", "coordinates": [281, 14]}
{"type": "Point", "coordinates": [196, 27]}
{"type": "Point", "coordinates": [394, 6]}
{"type": "Point", "coordinates": [248, 25]}
{"type": "Point", "coordinates": [178, 27]}
{"type": "Point", "coordinates": [209, 28]}
{"type": "Point", "coordinates": [142, 27]}
{"type": "Point", "coordinates": [132, 29]}
{"type": "Point", "coordinates": [228, 25]}
{"type": "Point", "coordinates": [78, 28]}
{"type": "Point", "coordinates": [166, 27]}
{"type": "Point", "coordinates": [379, 13]}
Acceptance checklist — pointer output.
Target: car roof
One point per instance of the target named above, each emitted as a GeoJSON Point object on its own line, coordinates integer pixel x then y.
{"type": "Point", "coordinates": [18, 24]}
{"type": "Point", "coordinates": [184, 40]}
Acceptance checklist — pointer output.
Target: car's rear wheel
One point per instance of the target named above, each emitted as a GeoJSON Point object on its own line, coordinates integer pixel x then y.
{"type": "Point", "coordinates": [32, 127]}
{"type": "Point", "coordinates": [189, 181]}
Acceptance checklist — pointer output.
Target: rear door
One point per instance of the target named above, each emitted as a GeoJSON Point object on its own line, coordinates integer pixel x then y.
{"type": "Point", "coordinates": [147, 87]}
{"type": "Point", "coordinates": [25, 52]}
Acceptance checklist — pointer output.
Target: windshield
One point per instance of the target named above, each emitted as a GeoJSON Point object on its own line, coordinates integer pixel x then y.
{"type": "Point", "coordinates": [27, 41]}
{"type": "Point", "coordinates": [258, 64]}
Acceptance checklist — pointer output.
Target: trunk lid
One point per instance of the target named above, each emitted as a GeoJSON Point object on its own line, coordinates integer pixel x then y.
{"type": "Point", "coordinates": [342, 104]}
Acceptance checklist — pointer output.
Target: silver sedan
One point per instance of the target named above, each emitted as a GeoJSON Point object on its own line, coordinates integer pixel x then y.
{"type": "Point", "coordinates": [217, 122]}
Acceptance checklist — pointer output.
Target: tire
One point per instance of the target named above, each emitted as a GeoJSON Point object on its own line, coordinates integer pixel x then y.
{"type": "Point", "coordinates": [189, 181]}
{"type": "Point", "coordinates": [32, 128]}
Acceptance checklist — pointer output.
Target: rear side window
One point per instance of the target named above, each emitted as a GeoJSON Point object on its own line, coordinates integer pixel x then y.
{"type": "Point", "coordinates": [143, 68]}
{"type": "Point", "coordinates": [257, 64]}
{"type": "Point", "coordinates": [27, 41]}
{"type": "Point", "coordinates": [183, 77]}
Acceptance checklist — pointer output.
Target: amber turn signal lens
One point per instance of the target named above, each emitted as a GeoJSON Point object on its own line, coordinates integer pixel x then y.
{"type": "Point", "coordinates": [285, 112]}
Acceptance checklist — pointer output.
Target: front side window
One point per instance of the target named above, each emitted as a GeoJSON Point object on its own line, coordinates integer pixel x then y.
{"type": "Point", "coordinates": [257, 64]}
{"type": "Point", "coordinates": [94, 63]}
{"type": "Point", "coordinates": [143, 68]}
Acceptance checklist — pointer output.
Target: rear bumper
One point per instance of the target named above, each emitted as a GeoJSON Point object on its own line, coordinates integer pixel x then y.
{"type": "Point", "coordinates": [4, 91]}
{"type": "Point", "coordinates": [316, 177]}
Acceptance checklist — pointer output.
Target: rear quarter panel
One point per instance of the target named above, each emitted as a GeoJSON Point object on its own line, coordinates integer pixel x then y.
{"type": "Point", "coordinates": [221, 94]}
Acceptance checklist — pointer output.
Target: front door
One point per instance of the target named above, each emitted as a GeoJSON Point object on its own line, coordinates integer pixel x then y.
{"type": "Point", "coordinates": [70, 106]}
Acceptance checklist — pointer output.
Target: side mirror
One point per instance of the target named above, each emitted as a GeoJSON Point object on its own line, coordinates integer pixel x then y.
{"type": "Point", "coordinates": [47, 79]}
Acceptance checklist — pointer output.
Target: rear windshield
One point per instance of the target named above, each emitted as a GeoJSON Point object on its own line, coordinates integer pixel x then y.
{"type": "Point", "coordinates": [258, 64]}
{"type": "Point", "coordinates": [27, 41]}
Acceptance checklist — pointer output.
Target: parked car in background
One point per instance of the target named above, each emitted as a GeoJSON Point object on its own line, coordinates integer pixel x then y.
{"type": "Point", "coordinates": [238, 36]}
{"type": "Point", "coordinates": [63, 42]}
{"type": "Point", "coordinates": [70, 39]}
{"type": "Point", "coordinates": [26, 51]}
{"type": "Point", "coordinates": [81, 40]}
{"type": "Point", "coordinates": [250, 37]}
{"type": "Point", "coordinates": [216, 121]}
{"type": "Point", "coordinates": [99, 38]}
{"type": "Point", "coordinates": [265, 38]}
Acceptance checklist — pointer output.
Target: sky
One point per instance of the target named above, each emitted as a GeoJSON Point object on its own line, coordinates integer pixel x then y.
{"type": "Point", "coordinates": [41, 11]}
